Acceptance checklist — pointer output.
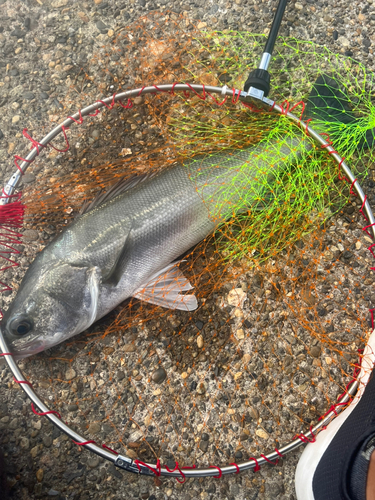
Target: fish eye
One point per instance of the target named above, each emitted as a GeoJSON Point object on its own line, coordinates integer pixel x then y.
{"type": "Point", "coordinates": [21, 325]}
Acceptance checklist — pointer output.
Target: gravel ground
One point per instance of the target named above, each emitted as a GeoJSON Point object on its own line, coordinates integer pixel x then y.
{"type": "Point", "coordinates": [43, 48]}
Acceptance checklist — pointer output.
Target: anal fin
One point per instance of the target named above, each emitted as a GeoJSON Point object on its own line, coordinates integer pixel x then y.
{"type": "Point", "coordinates": [165, 287]}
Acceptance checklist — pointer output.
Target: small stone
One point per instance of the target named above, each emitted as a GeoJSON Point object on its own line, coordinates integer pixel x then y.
{"type": "Point", "coordinates": [97, 2]}
{"type": "Point", "coordinates": [201, 388]}
{"type": "Point", "coordinates": [93, 462]}
{"type": "Point", "coordinates": [344, 41]}
{"type": "Point", "coordinates": [16, 119]}
{"type": "Point", "coordinates": [70, 374]}
{"type": "Point", "coordinates": [39, 475]}
{"type": "Point", "coordinates": [184, 375]}
{"type": "Point", "coordinates": [101, 26]}
{"type": "Point", "coordinates": [315, 351]}
{"type": "Point", "coordinates": [72, 408]}
{"type": "Point", "coordinates": [28, 178]}
{"type": "Point", "coordinates": [240, 334]}
{"type": "Point", "coordinates": [169, 492]}
{"type": "Point", "coordinates": [238, 455]}
{"type": "Point", "coordinates": [110, 33]}
{"type": "Point", "coordinates": [11, 147]}
{"type": "Point", "coordinates": [262, 433]}
{"type": "Point", "coordinates": [237, 375]}
{"type": "Point", "coordinates": [205, 436]}
{"type": "Point", "coordinates": [129, 348]}
{"type": "Point", "coordinates": [199, 324]}
{"type": "Point", "coordinates": [28, 96]}
{"type": "Point", "coordinates": [238, 313]}
{"type": "Point", "coordinates": [159, 376]}
{"type": "Point", "coordinates": [243, 437]}
{"type": "Point", "coordinates": [201, 25]}
{"type": "Point", "coordinates": [236, 297]}
{"type": "Point", "coordinates": [94, 428]}
{"type": "Point", "coordinates": [13, 423]}
{"type": "Point", "coordinates": [1, 135]}
{"type": "Point", "coordinates": [47, 441]}
{"type": "Point", "coordinates": [246, 358]}
{"type": "Point", "coordinates": [25, 443]}
{"type": "Point", "coordinates": [200, 342]}
{"type": "Point", "coordinates": [34, 451]}
{"type": "Point", "coordinates": [53, 493]}
{"type": "Point", "coordinates": [59, 3]}
{"type": "Point", "coordinates": [253, 412]}
{"type": "Point", "coordinates": [358, 245]}
{"type": "Point", "coordinates": [30, 235]}
{"type": "Point", "coordinates": [83, 17]}
{"type": "Point", "coordinates": [203, 446]}
{"type": "Point", "coordinates": [95, 134]}
{"type": "Point", "coordinates": [329, 360]}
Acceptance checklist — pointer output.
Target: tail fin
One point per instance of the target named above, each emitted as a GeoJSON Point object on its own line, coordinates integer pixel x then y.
{"type": "Point", "coordinates": [330, 105]}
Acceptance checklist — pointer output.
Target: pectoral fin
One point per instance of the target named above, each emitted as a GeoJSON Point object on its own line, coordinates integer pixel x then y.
{"type": "Point", "coordinates": [164, 289]}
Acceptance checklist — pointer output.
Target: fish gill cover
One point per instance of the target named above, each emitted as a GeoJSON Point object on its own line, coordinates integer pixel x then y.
{"type": "Point", "coordinates": [275, 338]}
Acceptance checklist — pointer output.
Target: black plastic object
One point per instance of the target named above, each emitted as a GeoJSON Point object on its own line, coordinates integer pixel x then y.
{"type": "Point", "coordinates": [260, 79]}
{"type": "Point", "coordinates": [275, 26]}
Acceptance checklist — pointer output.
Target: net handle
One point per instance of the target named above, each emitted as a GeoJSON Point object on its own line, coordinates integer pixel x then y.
{"type": "Point", "coordinates": [135, 465]}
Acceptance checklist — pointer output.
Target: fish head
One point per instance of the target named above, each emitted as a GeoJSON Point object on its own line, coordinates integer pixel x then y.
{"type": "Point", "coordinates": [50, 307]}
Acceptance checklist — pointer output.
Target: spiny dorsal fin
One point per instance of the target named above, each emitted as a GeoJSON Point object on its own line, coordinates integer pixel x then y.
{"type": "Point", "coordinates": [124, 184]}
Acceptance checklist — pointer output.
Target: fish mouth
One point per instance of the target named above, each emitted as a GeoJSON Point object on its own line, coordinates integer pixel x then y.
{"type": "Point", "coordinates": [23, 347]}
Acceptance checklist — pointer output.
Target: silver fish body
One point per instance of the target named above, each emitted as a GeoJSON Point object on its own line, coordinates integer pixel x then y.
{"type": "Point", "coordinates": [127, 245]}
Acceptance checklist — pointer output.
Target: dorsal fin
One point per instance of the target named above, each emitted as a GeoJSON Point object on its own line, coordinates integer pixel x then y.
{"type": "Point", "coordinates": [124, 184]}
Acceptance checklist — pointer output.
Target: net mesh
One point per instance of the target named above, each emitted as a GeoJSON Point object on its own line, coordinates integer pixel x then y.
{"type": "Point", "coordinates": [283, 300]}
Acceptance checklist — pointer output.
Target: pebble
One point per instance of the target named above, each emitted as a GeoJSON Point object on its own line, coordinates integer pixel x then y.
{"type": "Point", "coordinates": [262, 433]}
{"type": "Point", "coordinates": [344, 41]}
{"type": "Point", "coordinates": [94, 428]}
{"type": "Point", "coordinates": [16, 119]}
{"type": "Point", "coordinates": [47, 441]}
{"type": "Point", "coordinates": [240, 334]}
{"type": "Point", "coordinates": [53, 493]}
{"type": "Point", "coordinates": [28, 96]}
{"type": "Point", "coordinates": [200, 342]}
{"type": "Point", "coordinates": [203, 446]}
{"type": "Point", "coordinates": [201, 388]}
{"type": "Point", "coordinates": [246, 358]}
{"type": "Point", "coordinates": [93, 462]}
{"type": "Point", "coordinates": [40, 475]}
{"type": "Point", "coordinates": [25, 443]}
{"type": "Point", "coordinates": [236, 297]}
{"type": "Point", "coordinates": [315, 351]}
{"type": "Point", "coordinates": [70, 374]}
{"type": "Point", "coordinates": [34, 451]}
{"type": "Point", "coordinates": [1, 135]}
{"type": "Point", "coordinates": [169, 492]}
{"type": "Point", "coordinates": [129, 348]}
{"type": "Point", "coordinates": [103, 28]}
{"type": "Point", "coordinates": [159, 376]}
{"type": "Point", "coordinates": [30, 235]}
{"type": "Point", "coordinates": [28, 178]}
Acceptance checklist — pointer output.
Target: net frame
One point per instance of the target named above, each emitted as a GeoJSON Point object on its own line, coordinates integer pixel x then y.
{"type": "Point", "coordinates": [256, 104]}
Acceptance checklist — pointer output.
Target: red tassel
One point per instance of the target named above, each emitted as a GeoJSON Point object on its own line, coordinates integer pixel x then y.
{"type": "Point", "coordinates": [11, 214]}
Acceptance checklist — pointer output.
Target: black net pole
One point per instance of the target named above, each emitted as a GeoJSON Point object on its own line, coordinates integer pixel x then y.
{"type": "Point", "coordinates": [260, 78]}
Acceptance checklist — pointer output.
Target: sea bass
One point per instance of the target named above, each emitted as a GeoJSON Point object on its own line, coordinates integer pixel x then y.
{"type": "Point", "coordinates": [127, 242]}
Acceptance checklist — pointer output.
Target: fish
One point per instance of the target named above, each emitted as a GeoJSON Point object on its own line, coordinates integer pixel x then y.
{"type": "Point", "coordinates": [128, 242]}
